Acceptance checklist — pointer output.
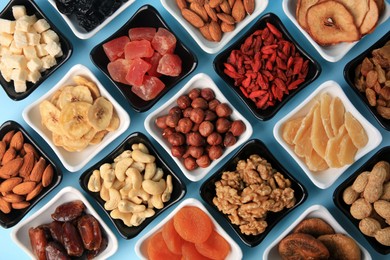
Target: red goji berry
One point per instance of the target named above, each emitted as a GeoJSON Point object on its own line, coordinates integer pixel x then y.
{"type": "Point", "coordinates": [262, 101]}
{"type": "Point", "coordinates": [274, 30]}
{"type": "Point", "coordinates": [232, 74]}
{"type": "Point", "coordinates": [265, 34]}
{"type": "Point", "coordinates": [257, 93]}
{"type": "Point", "coordinates": [295, 84]}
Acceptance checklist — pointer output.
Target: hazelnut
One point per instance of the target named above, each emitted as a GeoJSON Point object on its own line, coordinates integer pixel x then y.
{"type": "Point", "coordinates": [194, 93]}
{"type": "Point", "coordinates": [176, 139]}
{"type": "Point", "coordinates": [195, 128]}
{"type": "Point", "coordinates": [213, 104]}
{"type": "Point", "coordinates": [209, 115]}
{"type": "Point", "coordinates": [222, 125]}
{"type": "Point", "coordinates": [229, 139]}
{"type": "Point", "coordinates": [237, 128]}
{"type": "Point", "coordinates": [190, 163]}
{"type": "Point", "coordinates": [187, 112]}
{"type": "Point", "coordinates": [184, 125]}
{"type": "Point", "coordinates": [178, 151]}
{"type": "Point", "coordinates": [171, 120]}
{"type": "Point", "coordinates": [203, 161]}
{"type": "Point", "coordinates": [175, 110]}
{"type": "Point", "coordinates": [195, 151]}
{"type": "Point", "coordinates": [206, 128]}
{"type": "Point", "coordinates": [167, 132]}
{"type": "Point", "coordinates": [214, 139]}
{"type": "Point", "coordinates": [183, 102]}
{"type": "Point", "coordinates": [195, 139]}
{"type": "Point", "coordinates": [199, 103]}
{"type": "Point", "coordinates": [223, 110]}
{"type": "Point", "coordinates": [215, 151]}
{"type": "Point", "coordinates": [161, 122]}
{"type": "Point", "coordinates": [197, 115]}
{"type": "Point", "coordinates": [207, 94]}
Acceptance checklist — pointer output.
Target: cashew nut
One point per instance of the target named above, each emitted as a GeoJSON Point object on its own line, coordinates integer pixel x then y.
{"type": "Point", "coordinates": [158, 175]}
{"type": "Point", "coordinates": [118, 184]}
{"type": "Point", "coordinates": [166, 196]}
{"type": "Point", "coordinates": [107, 174]}
{"type": "Point", "coordinates": [154, 187]}
{"type": "Point", "coordinates": [104, 167]}
{"type": "Point", "coordinates": [125, 217]}
{"type": "Point", "coordinates": [138, 195]}
{"type": "Point", "coordinates": [135, 177]}
{"type": "Point", "coordinates": [141, 147]}
{"type": "Point", "coordinates": [138, 165]}
{"type": "Point", "coordinates": [104, 193]}
{"type": "Point", "coordinates": [157, 202]}
{"type": "Point", "coordinates": [124, 154]}
{"type": "Point", "coordinates": [121, 166]}
{"type": "Point", "coordinates": [140, 156]}
{"type": "Point", "coordinates": [115, 197]}
{"type": "Point", "coordinates": [94, 182]}
{"type": "Point", "coordinates": [128, 206]}
{"type": "Point", "coordinates": [124, 191]}
{"type": "Point", "coordinates": [139, 217]}
{"type": "Point", "coordinates": [150, 170]}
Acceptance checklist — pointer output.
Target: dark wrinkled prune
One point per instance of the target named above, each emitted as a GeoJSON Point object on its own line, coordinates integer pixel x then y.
{"type": "Point", "coordinates": [56, 230]}
{"type": "Point", "coordinates": [68, 211]}
{"type": "Point", "coordinates": [90, 232]}
{"type": "Point", "coordinates": [65, 9]}
{"type": "Point", "coordinates": [55, 251]}
{"type": "Point", "coordinates": [106, 8]}
{"type": "Point", "coordinates": [91, 20]}
{"type": "Point", "coordinates": [83, 6]}
{"type": "Point", "coordinates": [72, 240]}
{"type": "Point", "coordinates": [38, 240]}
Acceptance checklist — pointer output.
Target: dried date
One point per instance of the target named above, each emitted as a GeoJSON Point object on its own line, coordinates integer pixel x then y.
{"type": "Point", "coordinates": [68, 211]}
{"type": "Point", "coordinates": [90, 232]}
{"type": "Point", "coordinates": [55, 251]}
{"type": "Point", "coordinates": [38, 240]}
{"type": "Point", "coordinates": [72, 240]}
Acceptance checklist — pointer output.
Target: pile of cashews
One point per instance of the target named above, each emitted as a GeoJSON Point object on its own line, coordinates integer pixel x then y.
{"type": "Point", "coordinates": [132, 186]}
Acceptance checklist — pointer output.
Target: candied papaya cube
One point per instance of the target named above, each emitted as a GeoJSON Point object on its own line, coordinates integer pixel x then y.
{"type": "Point", "coordinates": [142, 33]}
{"type": "Point", "coordinates": [150, 88]}
{"type": "Point", "coordinates": [115, 48]}
{"type": "Point", "coordinates": [137, 69]}
{"type": "Point", "coordinates": [169, 65]}
{"type": "Point", "coordinates": [154, 60]}
{"type": "Point", "coordinates": [138, 49]}
{"type": "Point", "coordinates": [118, 70]}
{"type": "Point", "coordinates": [164, 41]}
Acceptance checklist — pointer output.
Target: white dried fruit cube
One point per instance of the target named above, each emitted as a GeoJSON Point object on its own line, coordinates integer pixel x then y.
{"type": "Point", "coordinates": [6, 72]}
{"type": "Point", "coordinates": [41, 51]}
{"type": "Point", "coordinates": [48, 62]}
{"type": "Point", "coordinates": [35, 64]}
{"type": "Point", "coordinates": [29, 52]}
{"type": "Point", "coordinates": [7, 26]}
{"type": "Point", "coordinates": [49, 36]}
{"type": "Point", "coordinates": [15, 50]}
{"type": "Point", "coordinates": [19, 75]}
{"type": "Point", "coordinates": [4, 50]}
{"type": "Point", "coordinates": [22, 25]}
{"type": "Point", "coordinates": [33, 76]}
{"type": "Point", "coordinates": [41, 25]}
{"type": "Point", "coordinates": [59, 54]}
{"type": "Point", "coordinates": [20, 86]}
{"type": "Point", "coordinates": [30, 19]}
{"type": "Point", "coordinates": [20, 39]}
{"type": "Point", "coordinates": [53, 48]}
{"type": "Point", "coordinates": [5, 39]}
{"type": "Point", "coordinates": [18, 11]}
{"type": "Point", "coordinates": [14, 61]}
{"type": "Point", "coordinates": [33, 38]}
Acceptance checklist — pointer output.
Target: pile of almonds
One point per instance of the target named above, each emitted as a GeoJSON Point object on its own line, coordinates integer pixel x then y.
{"type": "Point", "coordinates": [214, 17]}
{"type": "Point", "coordinates": [23, 173]}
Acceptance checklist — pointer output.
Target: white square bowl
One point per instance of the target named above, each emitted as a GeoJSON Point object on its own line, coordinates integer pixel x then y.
{"type": "Point", "coordinates": [43, 216]}
{"type": "Point", "coordinates": [74, 161]}
{"type": "Point", "coordinates": [141, 245]}
{"type": "Point", "coordinates": [81, 32]}
{"type": "Point", "coordinates": [206, 45]}
{"type": "Point", "coordinates": [331, 53]}
{"type": "Point", "coordinates": [323, 179]}
{"type": "Point", "coordinates": [315, 211]}
{"type": "Point", "coordinates": [200, 80]}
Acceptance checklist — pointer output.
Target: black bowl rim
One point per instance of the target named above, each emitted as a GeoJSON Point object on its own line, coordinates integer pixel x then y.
{"type": "Point", "coordinates": [337, 199]}
{"type": "Point", "coordinates": [288, 36]}
{"type": "Point", "coordinates": [351, 65]}
{"type": "Point", "coordinates": [126, 25]}
{"type": "Point", "coordinates": [280, 167]}
{"type": "Point", "coordinates": [159, 158]}
{"type": "Point", "coordinates": [57, 172]}
{"type": "Point", "coordinates": [63, 40]}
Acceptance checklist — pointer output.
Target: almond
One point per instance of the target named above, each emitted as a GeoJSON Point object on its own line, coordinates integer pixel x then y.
{"type": "Point", "coordinates": [205, 32]}
{"type": "Point", "coordinates": [24, 188]}
{"type": "Point", "coordinates": [47, 175]}
{"type": "Point", "coordinates": [192, 17]}
{"type": "Point", "coordinates": [225, 7]}
{"type": "Point", "coordinates": [211, 12]}
{"type": "Point", "coordinates": [34, 192]}
{"type": "Point", "coordinates": [12, 167]}
{"type": "Point", "coordinates": [3, 148]}
{"type": "Point", "coordinates": [249, 6]}
{"type": "Point", "coordinates": [9, 155]}
{"type": "Point", "coordinates": [238, 11]}
{"type": "Point", "coordinates": [5, 207]}
{"type": "Point", "coordinates": [226, 18]}
{"type": "Point", "coordinates": [199, 10]}
{"type": "Point", "coordinates": [37, 171]}
{"type": "Point", "coordinates": [9, 184]}
{"type": "Point", "coordinates": [20, 205]}
{"type": "Point", "coordinates": [30, 148]}
{"type": "Point", "coordinates": [11, 198]}
{"type": "Point", "coordinates": [227, 27]}
{"type": "Point", "coordinates": [215, 3]}
{"type": "Point", "coordinates": [215, 31]}
{"type": "Point", "coordinates": [17, 141]}
{"type": "Point", "coordinates": [28, 164]}
{"type": "Point", "coordinates": [231, 3]}
{"type": "Point", "coordinates": [181, 4]}
{"type": "Point", "coordinates": [8, 136]}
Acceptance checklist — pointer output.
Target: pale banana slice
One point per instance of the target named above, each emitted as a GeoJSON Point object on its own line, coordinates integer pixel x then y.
{"type": "Point", "coordinates": [74, 119]}
{"type": "Point", "coordinates": [98, 137]}
{"type": "Point", "coordinates": [74, 94]}
{"type": "Point", "coordinates": [92, 86]}
{"type": "Point", "coordinates": [114, 123]}
{"type": "Point", "coordinates": [78, 144]}
{"type": "Point", "coordinates": [50, 115]}
{"type": "Point", "coordinates": [100, 114]}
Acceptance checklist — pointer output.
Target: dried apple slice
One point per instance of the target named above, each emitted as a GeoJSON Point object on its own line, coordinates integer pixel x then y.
{"type": "Point", "coordinates": [318, 136]}
{"type": "Point", "coordinates": [347, 151]}
{"type": "Point", "coordinates": [290, 129]}
{"type": "Point", "coordinates": [315, 162]}
{"type": "Point", "coordinates": [355, 131]}
{"type": "Point", "coordinates": [332, 149]}
{"type": "Point", "coordinates": [337, 111]}
{"type": "Point", "coordinates": [301, 10]}
{"type": "Point", "coordinates": [358, 9]}
{"type": "Point", "coordinates": [330, 23]}
{"type": "Point", "coordinates": [302, 140]}
{"type": "Point", "coordinates": [371, 18]}
{"type": "Point", "coordinates": [325, 100]}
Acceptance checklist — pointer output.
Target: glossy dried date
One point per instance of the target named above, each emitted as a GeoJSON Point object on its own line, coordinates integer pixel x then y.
{"type": "Point", "coordinates": [90, 232]}
{"type": "Point", "coordinates": [55, 228]}
{"type": "Point", "coordinates": [72, 240]}
{"type": "Point", "coordinates": [38, 240]}
{"type": "Point", "coordinates": [55, 251]}
{"type": "Point", "coordinates": [68, 211]}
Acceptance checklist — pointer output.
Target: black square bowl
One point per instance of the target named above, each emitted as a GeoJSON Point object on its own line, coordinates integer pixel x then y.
{"type": "Point", "coordinates": [382, 155]}
{"type": "Point", "coordinates": [349, 75]}
{"type": "Point", "coordinates": [146, 16]}
{"type": "Point", "coordinates": [12, 218]}
{"type": "Point", "coordinates": [32, 8]}
{"type": "Point", "coordinates": [220, 59]}
{"type": "Point", "coordinates": [179, 189]}
{"type": "Point", "coordinates": [254, 146]}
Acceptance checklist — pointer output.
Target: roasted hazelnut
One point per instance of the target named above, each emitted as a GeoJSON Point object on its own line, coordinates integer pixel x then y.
{"type": "Point", "coordinates": [187, 112]}
{"type": "Point", "coordinates": [214, 139]}
{"type": "Point", "coordinates": [178, 151]}
{"type": "Point", "coordinates": [215, 151]}
{"type": "Point", "coordinates": [207, 93]}
{"type": "Point", "coordinates": [229, 139]}
{"type": "Point", "coordinates": [222, 125]}
{"type": "Point", "coordinates": [167, 132]}
{"type": "Point", "coordinates": [209, 115]}
{"type": "Point", "coordinates": [223, 110]}
{"type": "Point", "coordinates": [172, 119]}
{"type": "Point", "coordinates": [197, 115]}
{"type": "Point", "coordinates": [194, 93]}
{"type": "Point", "coordinates": [203, 161]}
{"type": "Point", "coordinates": [237, 128]}
{"type": "Point", "coordinates": [195, 139]}
{"type": "Point", "coordinates": [206, 128]}
{"type": "Point", "coordinates": [183, 102]}
{"type": "Point", "coordinates": [190, 163]}
{"type": "Point", "coordinates": [176, 139]}
{"type": "Point", "coordinates": [213, 104]}
{"type": "Point", "coordinates": [184, 125]}
{"type": "Point", "coordinates": [161, 122]}
{"type": "Point", "coordinates": [195, 151]}
{"type": "Point", "coordinates": [199, 103]}
{"type": "Point", "coordinates": [175, 110]}
{"type": "Point", "coordinates": [195, 128]}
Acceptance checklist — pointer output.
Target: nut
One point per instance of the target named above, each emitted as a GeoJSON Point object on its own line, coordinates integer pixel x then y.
{"type": "Point", "coordinates": [11, 168]}
{"type": "Point", "coordinates": [383, 236]}
{"type": "Point", "coordinates": [361, 209]}
{"type": "Point", "coordinates": [350, 195]}
{"type": "Point", "coordinates": [47, 175]}
{"type": "Point", "coordinates": [38, 169]}
{"type": "Point", "coordinates": [9, 155]}
{"type": "Point", "coordinates": [9, 184]}
{"type": "Point", "coordinates": [192, 17]}
{"type": "Point", "coordinates": [5, 206]}
{"type": "Point", "coordinates": [24, 188]}
{"type": "Point", "coordinates": [8, 136]}
{"type": "Point", "coordinates": [238, 11]}
{"type": "Point", "coordinates": [28, 164]}
{"type": "Point", "coordinates": [369, 226]}
{"type": "Point", "coordinates": [17, 141]}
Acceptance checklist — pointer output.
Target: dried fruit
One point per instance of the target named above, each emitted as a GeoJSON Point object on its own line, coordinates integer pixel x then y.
{"type": "Point", "coordinates": [68, 211]}
{"type": "Point", "coordinates": [302, 246]}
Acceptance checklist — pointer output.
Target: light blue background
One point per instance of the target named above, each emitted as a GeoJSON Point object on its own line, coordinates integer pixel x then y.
{"type": "Point", "coordinates": [262, 130]}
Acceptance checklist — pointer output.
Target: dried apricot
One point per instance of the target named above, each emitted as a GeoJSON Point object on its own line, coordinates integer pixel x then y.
{"type": "Point", "coordinates": [172, 239]}
{"type": "Point", "coordinates": [157, 249]}
{"type": "Point", "coordinates": [189, 252]}
{"type": "Point", "coordinates": [215, 247]}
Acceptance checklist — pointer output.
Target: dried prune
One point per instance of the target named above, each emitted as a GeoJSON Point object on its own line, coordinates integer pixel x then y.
{"type": "Point", "coordinates": [55, 251]}
{"type": "Point", "coordinates": [90, 232]}
{"type": "Point", "coordinates": [65, 9]}
{"type": "Point", "coordinates": [68, 211]}
{"type": "Point", "coordinates": [72, 240]}
{"type": "Point", "coordinates": [38, 241]}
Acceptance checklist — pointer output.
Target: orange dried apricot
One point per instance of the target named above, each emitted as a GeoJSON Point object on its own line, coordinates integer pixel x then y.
{"type": "Point", "coordinates": [190, 252]}
{"type": "Point", "coordinates": [172, 239]}
{"type": "Point", "coordinates": [157, 249]}
{"type": "Point", "coordinates": [215, 247]}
